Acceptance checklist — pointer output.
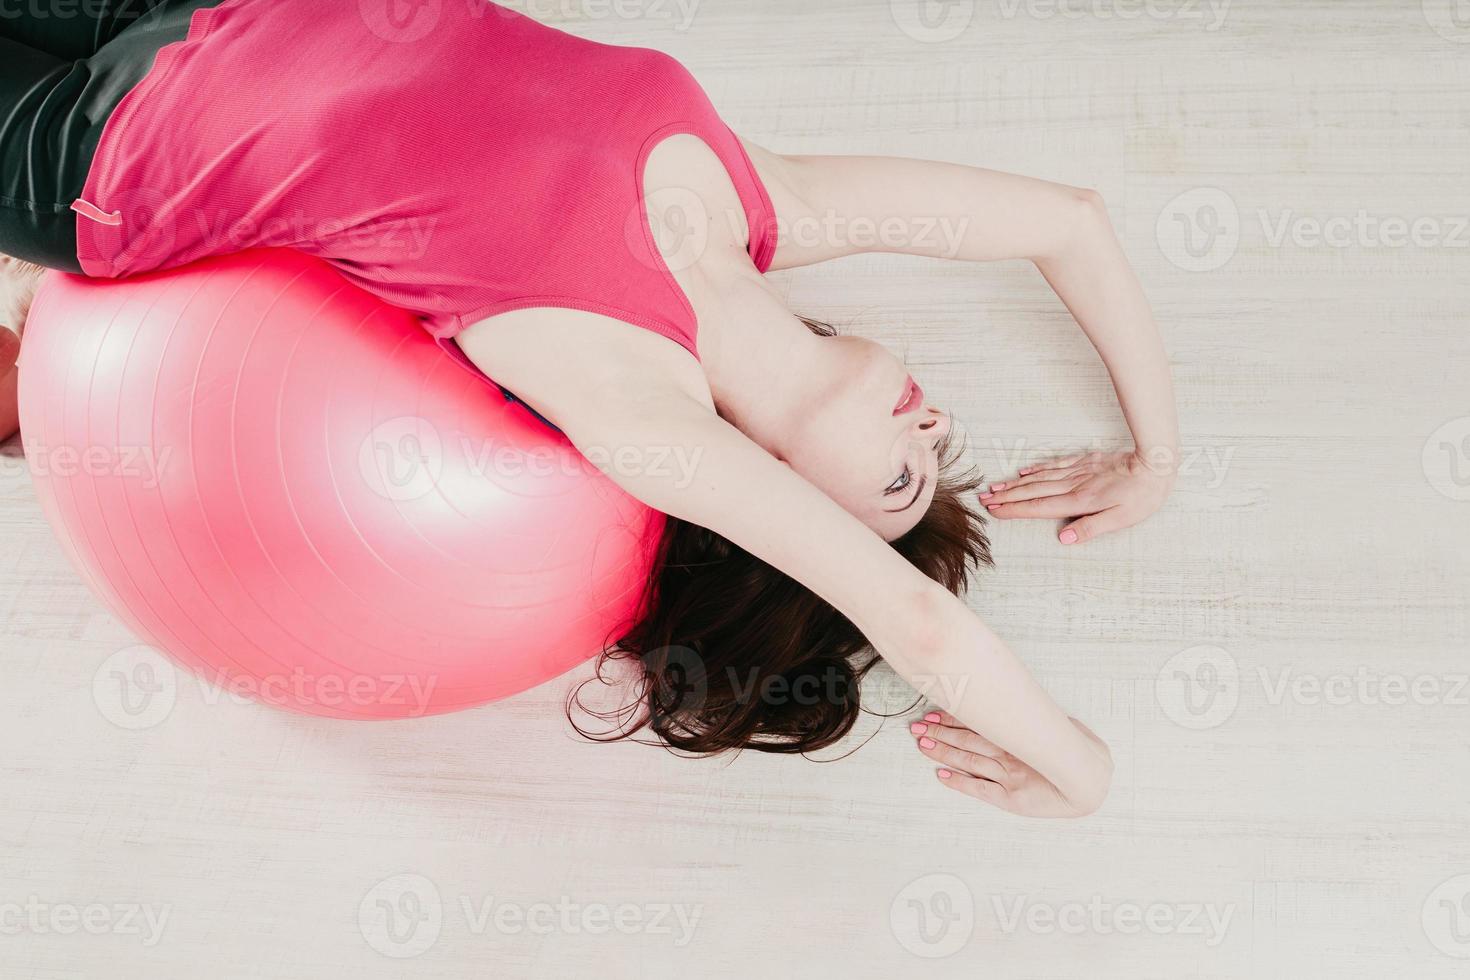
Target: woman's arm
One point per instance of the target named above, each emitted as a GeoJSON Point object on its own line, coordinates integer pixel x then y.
{"type": "Point", "coordinates": [830, 206]}
{"type": "Point", "coordinates": [612, 406]}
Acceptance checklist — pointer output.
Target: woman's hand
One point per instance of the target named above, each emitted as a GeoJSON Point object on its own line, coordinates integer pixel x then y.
{"type": "Point", "coordinates": [1104, 491]}
{"type": "Point", "coordinates": [977, 767]}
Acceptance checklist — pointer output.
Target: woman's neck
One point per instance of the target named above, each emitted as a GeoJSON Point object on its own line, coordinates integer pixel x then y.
{"type": "Point", "coordinates": [760, 361]}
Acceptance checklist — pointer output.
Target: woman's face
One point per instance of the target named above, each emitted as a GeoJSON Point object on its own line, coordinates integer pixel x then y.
{"type": "Point", "coordinates": [868, 439]}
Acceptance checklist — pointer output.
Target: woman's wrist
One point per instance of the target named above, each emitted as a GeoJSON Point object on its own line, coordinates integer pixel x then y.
{"type": "Point", "coordinates": [1160, 458]}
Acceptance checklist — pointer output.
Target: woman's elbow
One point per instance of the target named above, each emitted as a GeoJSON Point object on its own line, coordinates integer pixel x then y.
{"type": "Point", "coordinates": [1079, 217]}
{"type": "Point", "coordinates": [1089, 797]}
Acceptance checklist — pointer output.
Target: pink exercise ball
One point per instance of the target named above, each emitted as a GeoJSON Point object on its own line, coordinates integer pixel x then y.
{"type": "Point", "coordinates": [286, 485]}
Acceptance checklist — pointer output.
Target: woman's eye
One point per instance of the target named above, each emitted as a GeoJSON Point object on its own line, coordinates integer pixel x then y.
{"type": "Point", "coordinates": [898, 485]}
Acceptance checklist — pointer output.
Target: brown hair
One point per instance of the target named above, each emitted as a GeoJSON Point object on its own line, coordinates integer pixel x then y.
{"type": "Point", "coordinates": [736, 654]}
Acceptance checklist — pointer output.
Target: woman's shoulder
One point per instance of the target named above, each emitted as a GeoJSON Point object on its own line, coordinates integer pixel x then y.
{"type": "Point", "coordinates": [561, 360]}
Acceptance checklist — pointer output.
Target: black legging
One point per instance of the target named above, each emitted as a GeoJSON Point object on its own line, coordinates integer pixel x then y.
{"type": "Point", "coordinates": [64, 66]}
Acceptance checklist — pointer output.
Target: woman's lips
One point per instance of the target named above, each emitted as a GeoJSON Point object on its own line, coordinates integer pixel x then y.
{"type": "Point", "coordinates": [913, 397]}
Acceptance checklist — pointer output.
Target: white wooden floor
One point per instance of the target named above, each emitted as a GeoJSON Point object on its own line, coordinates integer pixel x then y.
{"type": "Point", "coordinates": [1278, 660]}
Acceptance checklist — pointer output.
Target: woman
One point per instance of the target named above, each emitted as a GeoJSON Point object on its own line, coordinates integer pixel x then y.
{"type": "Point", "coordinates": [557, 212]}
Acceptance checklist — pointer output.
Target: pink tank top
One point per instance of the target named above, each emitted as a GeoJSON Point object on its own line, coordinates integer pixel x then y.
{"type": "Point", "coordinates": [460, 162]}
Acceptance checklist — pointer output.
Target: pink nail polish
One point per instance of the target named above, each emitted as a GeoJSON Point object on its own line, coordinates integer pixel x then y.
{"type": "Point", "coordinates": [945, 774]}
{"type": "Point", "coordinates": [991, 507]}
{"type": "Point", "coordinates": [1068, 536]}
{"type": "Point", "coordinates": [927, 742]}
{"type": "Point", "coordinates": [997, 486]}
{"type": "Point", "coordinates": [932, 716]}
{"type": "Point", "coordinates": [987, 495]}
{"type": "Point", "coordinates": [918, 728]}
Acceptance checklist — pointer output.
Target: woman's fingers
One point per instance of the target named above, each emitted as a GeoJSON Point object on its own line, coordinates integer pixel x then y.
{"type": "Point", "coordinates": [1061, 463]}
{"type": "Point", "coordinates": [1087, 528]}
{"type": "Point", "coordinates": [1050, 470]}
{"type": "Point", "coordinates": [973, 763]}
{"type": "Point", "coordinates": [991, 784]}
{"type": "Point", "coordinates": [953, 732]}
{"type": "Point", "coordinates": [1035, 476]}
{"type": "Point", "coordinates": [944, 727]}
{"type": "Point", "coordinates": [1064, 505]}
{"type": "Point", "coordinates": [1028, 491]}
{"type": "Point", "coordinates": [981, 789]}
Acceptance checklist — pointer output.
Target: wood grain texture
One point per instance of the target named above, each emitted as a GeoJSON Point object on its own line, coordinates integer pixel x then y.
{"type": "Point", "coordinates": [1315, 543]}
